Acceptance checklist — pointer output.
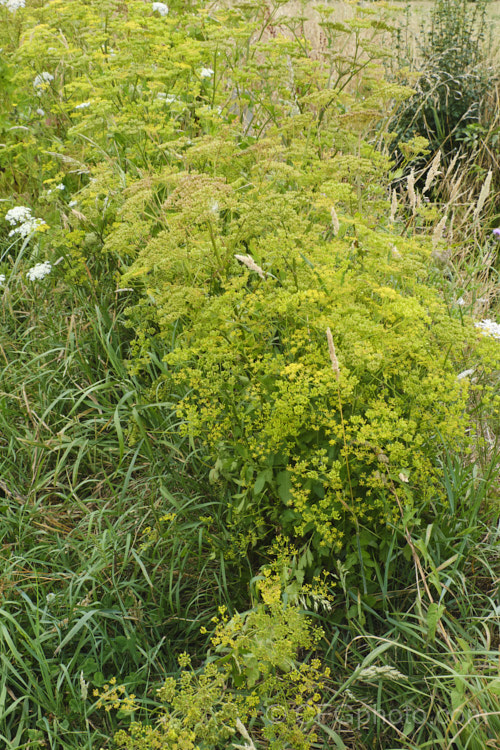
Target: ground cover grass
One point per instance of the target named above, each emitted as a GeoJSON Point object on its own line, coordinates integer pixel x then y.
{"type": "Point", "coordinates": [221, 525]}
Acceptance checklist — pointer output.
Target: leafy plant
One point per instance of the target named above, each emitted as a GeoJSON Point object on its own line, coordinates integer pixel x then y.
{"type": "Point", "coordinates": [454, 80]}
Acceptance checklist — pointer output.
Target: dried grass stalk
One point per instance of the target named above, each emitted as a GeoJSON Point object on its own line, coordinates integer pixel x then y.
{"type": "Point", "coordinates": [438, 230]}
{"type": "Point", "coordinates": [485, 191]}
{"type": "Point", "coordinates": [333, 356]}
{"type": "Point", "coordinates": [410, 186]}
{"type": "Point", "coordinates": [244, 733]}
{"type": "Point", "coordinates": [454, 188]}
{"type": "Point", "coordinates": [394, 206]}
{"type": "Point", "coordinates": [451, 166]}
{"type": "Point", "coordinates": [433, 171]}
{"type": "Point", "coordinates": [335, 221]}
{"type": "Point", "coordinates": [249, 262]}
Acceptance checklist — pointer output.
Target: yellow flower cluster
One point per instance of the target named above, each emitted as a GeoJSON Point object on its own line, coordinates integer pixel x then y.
{"type": "Point", "coordinates": [113, 696]}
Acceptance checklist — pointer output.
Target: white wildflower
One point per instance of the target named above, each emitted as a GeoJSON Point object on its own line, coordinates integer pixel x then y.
{"type": "Point", "coordinates": [39, 271]}
{"type": "Point", "coordinates": [160, 8]}
{"type": "Point", "coordinates": [24, 223]}
{"type": "Point", "coordinates": [72, 203]}
{"type": "Point", "coordinates": [83, 105]}
{"type": "Point", "coordinates": [18, 215]}
{"type": "Point", "coordinates": [13, 5]}
{"type": "Point", "coordinates": [50, 597]}
{"type": "Point", "coordinates": [489, 328]}
{"type": "Point", "coordinates": [2, 279]}
{"type": "Point", "coordinates": [28, 228]}
{"type": "Point", "coordinates": [169, 98]}
{"type": "Point", "coordinates": [206, 73]}
{"type": "Point", "coordinates": [461, 302]}
{"type": "Point", "coordinates": [60, 186]}
{"type": "Point", "coordinates": [41, 82]}
{"type": "Point", "coordinates": [40, 112]}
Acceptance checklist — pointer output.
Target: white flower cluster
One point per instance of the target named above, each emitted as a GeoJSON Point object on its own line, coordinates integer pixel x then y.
{"type": "Point", "coordinates": [83, 105]}
{"type": "Point", "coordinates": [41, 82]}
{"type": "Point", "coordinates": [206, 73]}
{"type": "Point", "coordinates": [23, 222]}
{"type": "Point", "coordinates": [13, 5]}
{"type": "Point", "coordinates": [489, 328]}
{"type": "Point", "coordinates": [169, 98]}
{"type": "Point", "coordinates": [2, 279]}
{"type": "Point", "coordinates": [18, 215]}
{"type": "Point", "coordinates": [57, 187]}
{"type": "Point", "coordinates": [160, 8]}
{"type": "Point", "coordinates": [39, 272]}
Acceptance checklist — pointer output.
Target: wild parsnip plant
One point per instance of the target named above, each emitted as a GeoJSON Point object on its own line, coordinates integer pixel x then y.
{"type": "Point", "coordinates": [248, 388]}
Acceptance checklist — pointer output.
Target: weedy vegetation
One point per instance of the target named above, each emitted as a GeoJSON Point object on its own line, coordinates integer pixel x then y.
{"type": "Point", "coordinates": [249, 377]}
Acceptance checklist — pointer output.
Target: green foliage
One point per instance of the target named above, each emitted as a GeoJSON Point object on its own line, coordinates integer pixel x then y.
{"type": "Point", "coordinates": [253, 677]}
{"type": "Point", "coordinates": [249, 367]}
{"type": "Point", "coordinates": [454, 80]}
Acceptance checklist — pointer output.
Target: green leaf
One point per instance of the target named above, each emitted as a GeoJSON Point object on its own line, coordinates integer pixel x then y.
{"type": "Point", "coordinates": [284, 482]}
{"type": "Point", "coordinates": [262, 478]}
{"type": "Point", "coordinates": [98, 679]}
{"type": "Point", "coordinates": [434, 614]}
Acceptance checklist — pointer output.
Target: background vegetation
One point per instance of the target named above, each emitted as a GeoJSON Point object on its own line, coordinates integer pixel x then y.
{"type": "Point", "coordinates": [249, 391]}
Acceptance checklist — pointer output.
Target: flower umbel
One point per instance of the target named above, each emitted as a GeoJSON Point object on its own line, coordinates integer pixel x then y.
{"type": "Point", "coordinates": [26, 223]}
{"type": "Point", "coordinates": [489, 328]}
{"type": "Point", "coordinates": [160, 8]}
{"type": "Point", "coordinates": [41, 82]}
{"type": "Point", "coordinates": [13, 5]}
{"type": "Point", "coordinates": [39, 271]}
